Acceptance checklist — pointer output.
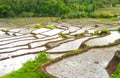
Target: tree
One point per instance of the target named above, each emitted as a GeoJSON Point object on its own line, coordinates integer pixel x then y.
{"type": "Point", "coordinates": [56, 8]}
{"type": "Point", "coordinates": [4, 10]}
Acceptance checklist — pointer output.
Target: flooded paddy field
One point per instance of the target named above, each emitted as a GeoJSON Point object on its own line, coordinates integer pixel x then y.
{"type": "Point", "coordinates": [19, 45]}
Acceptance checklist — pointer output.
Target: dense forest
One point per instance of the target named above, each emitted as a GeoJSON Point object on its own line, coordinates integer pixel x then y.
{"type": "Point", "coordinates": [54, 8]}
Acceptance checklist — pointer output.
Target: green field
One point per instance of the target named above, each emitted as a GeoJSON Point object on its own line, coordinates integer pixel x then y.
{"type": "Point", "coordinates": [111, 10]}
{"type": "Point", "coordinates": [21, 22]}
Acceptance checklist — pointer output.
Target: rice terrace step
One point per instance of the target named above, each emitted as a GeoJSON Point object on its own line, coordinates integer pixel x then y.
{"type": "Point", "coordinates": [76, 52]}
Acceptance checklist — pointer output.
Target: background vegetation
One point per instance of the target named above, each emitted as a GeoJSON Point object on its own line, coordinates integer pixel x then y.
{"type": "Point", "coordinates": [55, 8]}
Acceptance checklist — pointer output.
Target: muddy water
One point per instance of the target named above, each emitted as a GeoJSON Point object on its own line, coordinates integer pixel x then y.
{"type": "Point", "coordinates": [104, 40]}
{"type": "Point", "coordinates": [8, 44]}
{"type": "Point", "coordinates": [82, 30]}
{"type": "Point", "coordinates": [13, 64]}
{"type": "Point", "coordinates": [72, 45]}
{"type": "Point", "coordinates": [90, 64]}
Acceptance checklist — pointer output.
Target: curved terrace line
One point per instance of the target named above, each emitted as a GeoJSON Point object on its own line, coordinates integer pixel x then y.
{"type": "Point", "coordinates": [22, 52]}
{"type": "Point", "coordinates": [104, 40]}
{"type": "Point", "coordinates": [21, 43]}
{"type": "Point", "coordinates": [24, 47]}
{"type": "Point", "coordinates": [16, 37]}
{"type": "Point", "coordinates": [43, 67]}
{"type": "Point", "coordinates": [16, 40]}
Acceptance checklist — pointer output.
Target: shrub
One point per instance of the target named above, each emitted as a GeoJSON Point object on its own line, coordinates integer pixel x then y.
{"type": "Point", "coordinates": [84, 14]}
{"type": "Point", "coordinates": [75, 14]}
{"type": "Point", "coordinates": [104, 32]}
{"type": "Point", "coordinates": [119, 29]}
{"type": "Point", "coordinates": [101, 15]}
{"type": "Point", "coordinates": [12, 13]}
{"type": "Point", "coordinates": [96, 32]}
{"type": "Point", "coordinates": [72, 15]}
{"type": "Point", "coordinates": [63, 16]}
{"type": "Point", "coordinates": [26, 14]}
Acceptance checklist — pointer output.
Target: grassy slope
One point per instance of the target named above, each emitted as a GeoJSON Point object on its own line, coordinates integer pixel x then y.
{"type": "Point", "coordinates": [109, 10]}
{"type": "Point", "coordinates": [20, 22]}
{"type": "Point", "coordinates": [112, 10]}
{"type": "Point", "coordinates": [31, 69]}
{"type": "Point", "coordinates": [92, 21]}
{"type": "Point", "coordinates": [117, 72]}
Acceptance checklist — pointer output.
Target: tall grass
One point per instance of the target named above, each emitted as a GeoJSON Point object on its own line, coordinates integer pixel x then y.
{"type": "Point", "coordinates": [117, 72]}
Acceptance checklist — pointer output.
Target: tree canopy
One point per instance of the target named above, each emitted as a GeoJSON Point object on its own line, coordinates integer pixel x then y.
{"type": "Point", "coordinates": [52, 8]}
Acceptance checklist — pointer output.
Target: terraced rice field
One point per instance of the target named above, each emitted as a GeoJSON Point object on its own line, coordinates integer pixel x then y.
{"type": "Point", "coordinates": [91, 64]}
{"type": "Point", "coordinates": [20, 45]}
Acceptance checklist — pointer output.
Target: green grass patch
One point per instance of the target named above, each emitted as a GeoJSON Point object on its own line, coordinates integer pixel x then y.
{"type": "Point", "coordinates": [51, 26]}
{"type": "Point", "coordinates": [96, 32]}
{"type": "Point", "coordinates": [78, 50]}
{"type": "Point", "coordinates": [103, 32]}
{"type": "Point", "coordinates": [111, 21]}
{"type": "Point", "coordinates": [117, 72]}
{"type": "Point", "coordinates": [45, 26]}
{"type": "Point", "coordinates": [30, 69]}
{"type": "Point", "coordinates": [107, 19]}
{"type": "Point", "coordinates": [40, 26]}
{"type": "Point", "coordinates": [113, 10]}
{"type": "Point", "coordinates": [119, 29]}
{"type": "Point", "coordinates": [62, 35]}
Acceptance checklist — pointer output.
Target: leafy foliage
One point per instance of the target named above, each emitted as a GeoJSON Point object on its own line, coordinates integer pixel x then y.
{"type": "Point", "coordinates": [54, 8]}
{"type": "Point", "coordinates": [96, 32]}
{"type": "Point", "coordinates": [102, 32]}
{"type": "Point", "coordinates": [40, 26]}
